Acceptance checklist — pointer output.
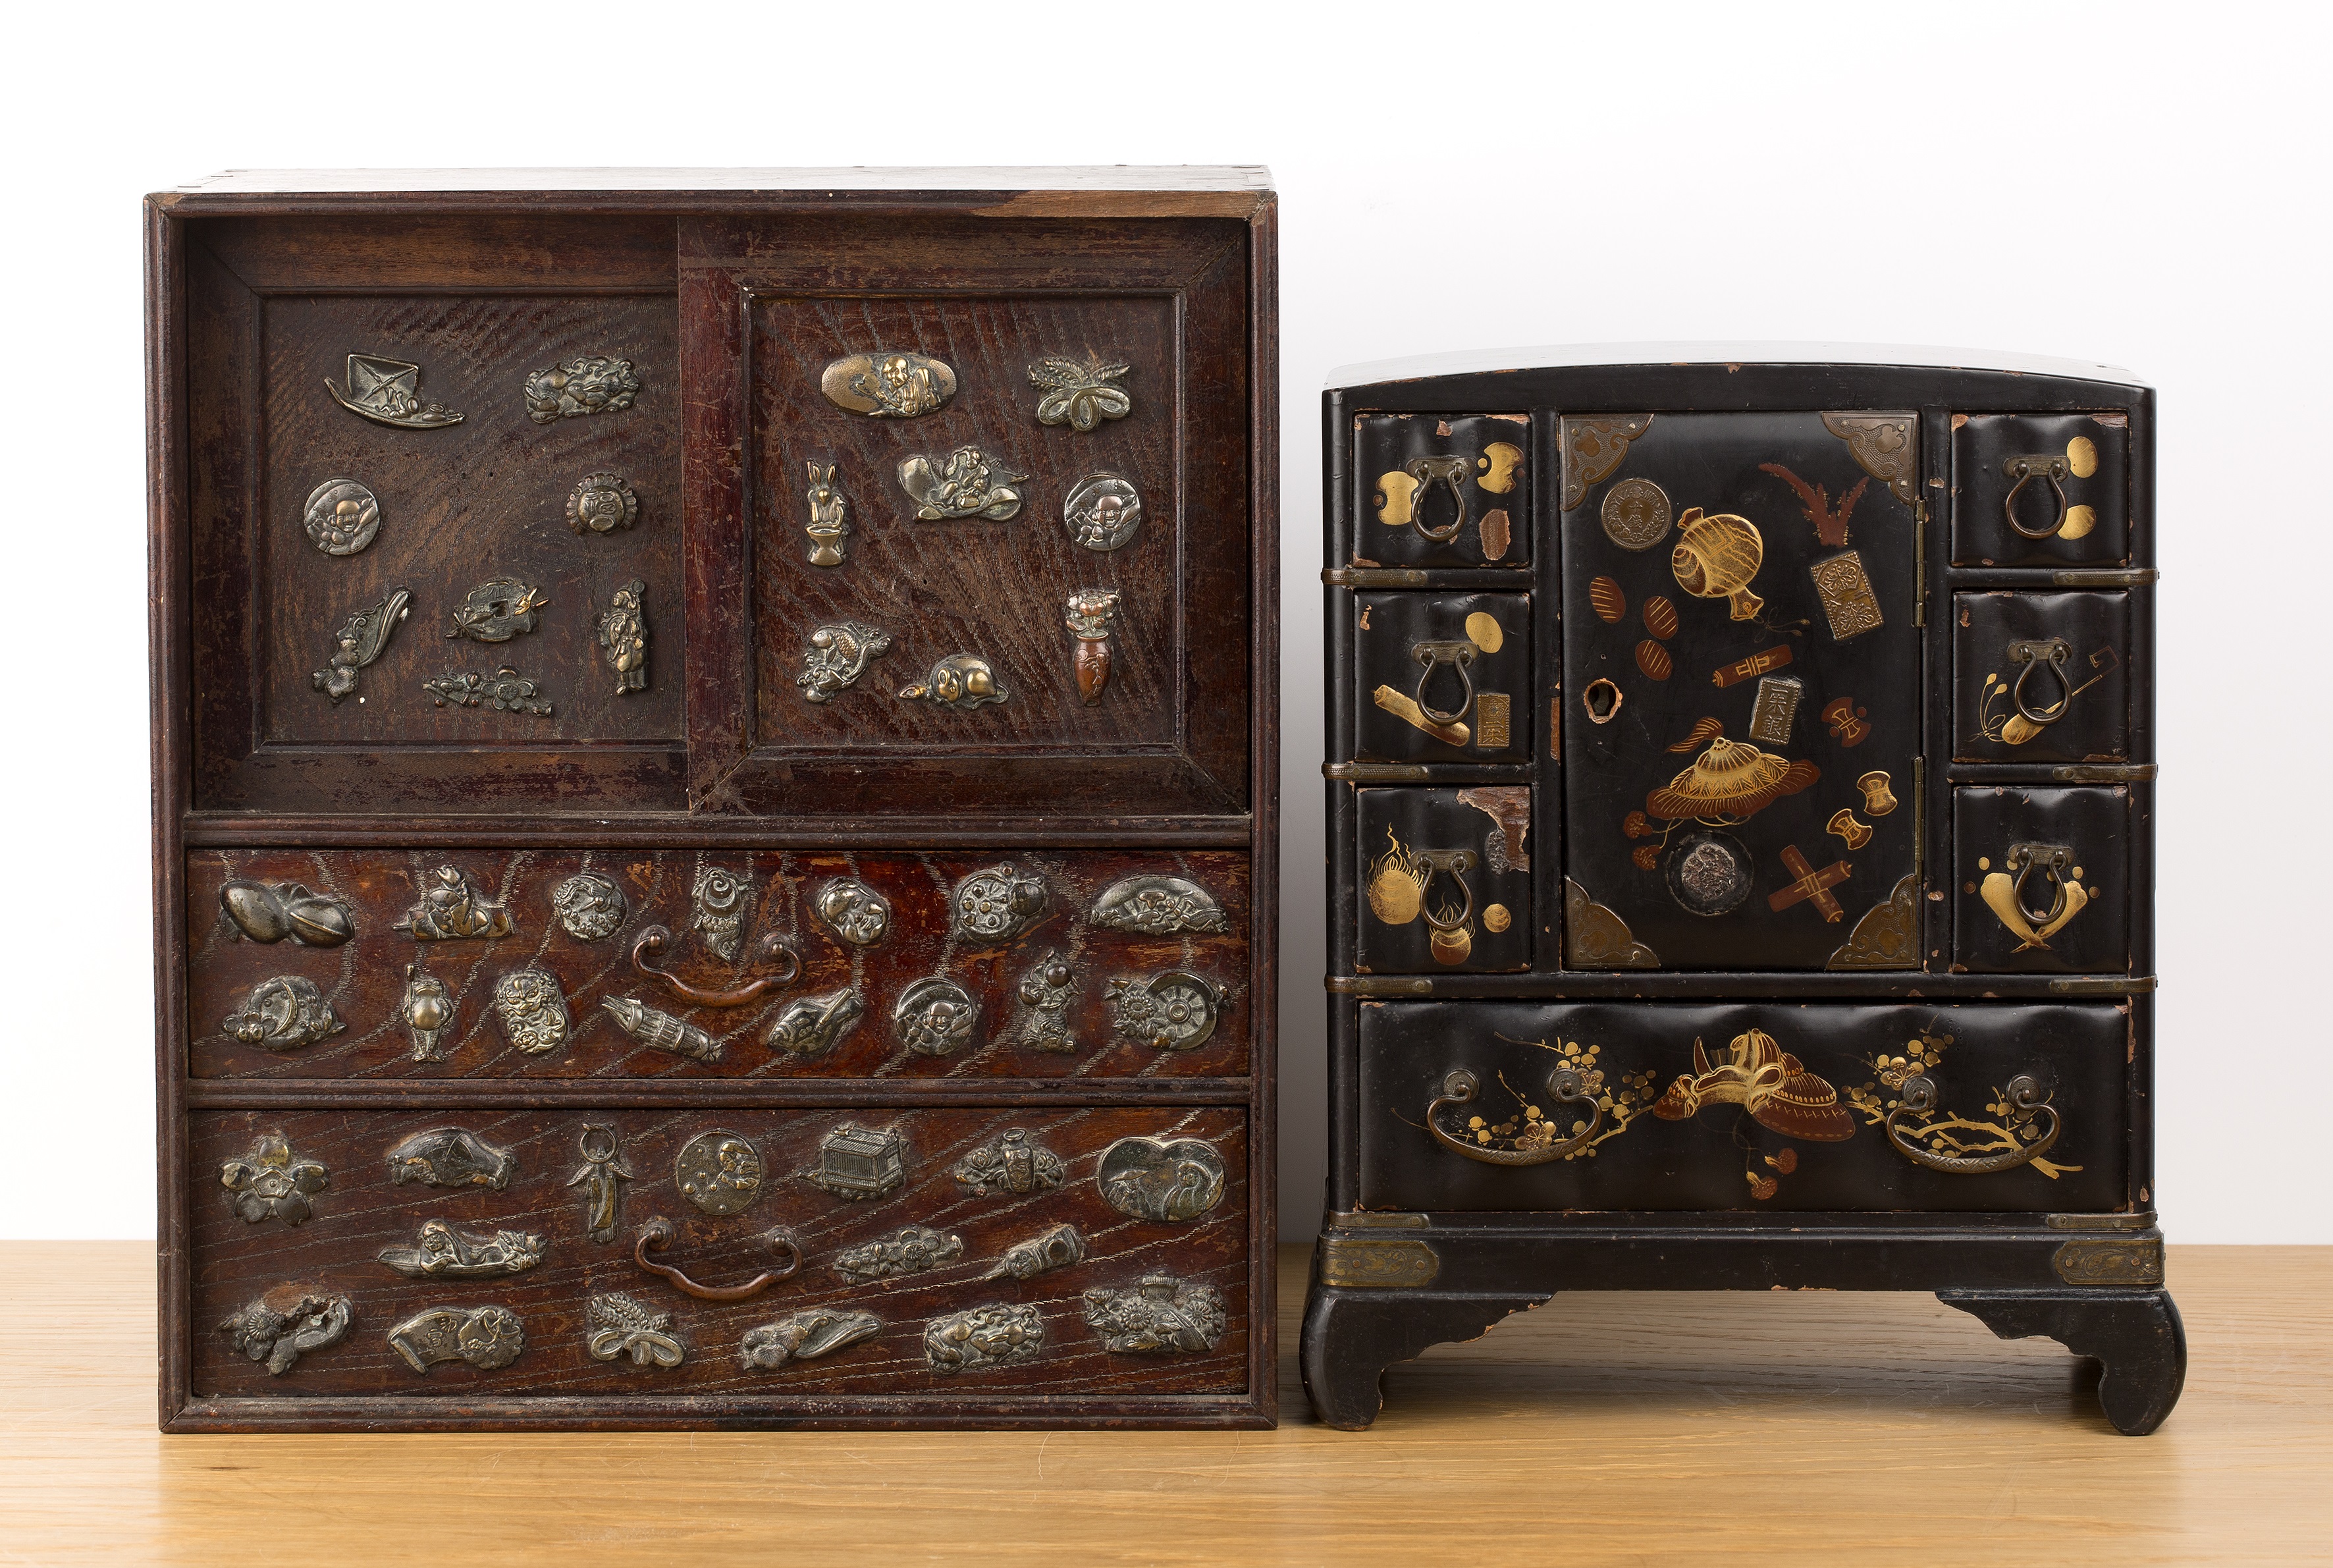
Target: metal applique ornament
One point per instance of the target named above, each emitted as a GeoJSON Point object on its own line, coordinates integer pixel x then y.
{"type": "Point", "coordinates": [1171, 1012]}
{"type": "Point", "coordinates": [450, 911]}
{"type": "Point", "coordinates": [602, 1175]}
{"type": "Point", "coordinates": [911, 1249]}
{"type": "Point", "coordinates": [340, 518]}
{"type": "Point", "coordinates": [1080, 394]}
{"type": "Point", "coordinates": [994, 1335]}
{"type": "Point", "coordinates": [273, 1182]}
{"type": "Point", "coordinates": [661, 1031]}
{"type": "Point", "coordinates": [284, 1012]}
{"type": "Point", "coordinates": [590, 907]}
{"type": "Point", "coordinates": [1011, 1164]}
{"type": "Point", "coordinates": [858, 1163]}
{"type": "Point", "coordinates": [805, 1336]}
{"type": "Point", "coordinates": [623, 632]}
{"type": "Point", "coordinates": [1161, 1178]}
{"type": "Point", "coordinates": [1055, 1247]}
{"type": "Point", "coordinates": [442, 1251]}
{"type": "Point", "coordinates": [717, 909]}
{"type": "Point", "coordinates": [962, 681]}
{"type": "Point", "coordinates": [838, 655]}
{"type": "Point", "coordinates": [719, 1171]}
{"type": "Point", "coordinates": [997, 904]}
{"type": "Point", "coordinates": [854, 911]}
{"type": "Point", "coordinates": [1102, 512]}
{"type": "Point", "coordinates": [487, 1337]}
{"type": "Point", "coordinates": [427, 1008]}
{"type": "Point", "coordinates": [504, 691]}
{"type": "Point", "coordinates": [497, 610]}
{"type": "Point", "coordinates": [532, 1009]}
{"type": "Point", "coordinates": [451, 1157]}
{"type": "Point", "coordinates": [362, 639]}
{"type": "Point", "coordinates": [288, 1321]}
{"type": "Point", "coordinates": [1716, 557]}
{"type": "Point", "coordinates": [1158, 906]}
{"type": "Point", "coordinates": [888, 384]}
{"type": "Point", "coordinates": [966, 483]}
{"type": "Point", "coordinates": [933, 1015]}
{"type": "Point", "coordinates": [1047, 991]}
{"type": "Point", "coordinates": [809, 1025]}
{"type": "Point", "coordinates": [387, 392]}
{"type": "Point", "coordinates": [268, 912]}
{"type": "Point", "coordinates": [1088, 617]}
{"type": "Point", "coordinates": [828, 521]}
{"type": "Point", "coordinates": [623, 1325]}
{"type": "Point", "coordinates": [586, 384]}
{"type": "Point", "coordinates": [602, 504]}
{"type": "Point", "coordinates": [1161, 1316]}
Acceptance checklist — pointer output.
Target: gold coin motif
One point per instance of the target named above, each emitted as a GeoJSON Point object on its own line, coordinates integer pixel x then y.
{"type": "Point", "coordinates": [1497, 917]}
{"type": "Point", "coordinates": [1484, 632]}
{"type": "Point", "coordinates": [1637, 515]}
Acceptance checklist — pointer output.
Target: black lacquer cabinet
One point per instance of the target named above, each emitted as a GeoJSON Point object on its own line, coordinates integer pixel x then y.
{"type": "Point", "coordinates": [1740, 823]}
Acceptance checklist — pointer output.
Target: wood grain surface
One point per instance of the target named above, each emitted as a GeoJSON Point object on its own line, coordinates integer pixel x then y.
{"type": "Point", "coordinates": [1802, 1427]}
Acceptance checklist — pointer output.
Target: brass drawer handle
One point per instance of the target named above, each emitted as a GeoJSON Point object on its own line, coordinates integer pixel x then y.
{"type": "Point", "coordinates": [2053, 862]}
{"type": "Point", "coordinates": [1459, 1088]}
{"type": "Point", "coordinates": [1455, 864]}
{"type": "Point", "coordinates": [2024, 1094]}
{"type": "Point", "coordinates": [2049, 653]}
{"type": "Point", "coordinates": [2049, 465]}
{"type": "Point", "coordinates": [1457, 654]}
{"type": "Point", "coordinates": [1447, 472]}
{"type": "Point", "coordinates": [771, 949]}
{"type": "Point", "coordinates": [658, 1231]}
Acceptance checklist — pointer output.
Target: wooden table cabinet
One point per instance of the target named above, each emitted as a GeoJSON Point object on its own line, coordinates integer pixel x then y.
{"type": "Point", "coordinates": [714, 768]}
{"type": "Point", "coordinates": [1740, 794]}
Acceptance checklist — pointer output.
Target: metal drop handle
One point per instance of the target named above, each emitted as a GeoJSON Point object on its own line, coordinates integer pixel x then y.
{"type": "Point", "coordinates": [658, 1231]}
{"type": "Point", "coordinates": [2053, 862]}
{"type": "Point", "coordinates": [2049, 465]}
{"type": "Point", "coordinates": [1447, 472]}
{"type": "Point", "coordinates": [1460, 1087]}
{"type": "Point", "coordinates": [2049, 653]}
{"type": "Point", "coordinates": [1455, 864]}
{"type": "Point", "coordinates": [771, 949]}
{"type": "Point", "coordinates": [1458, 656]}
{"type": "Point", "coordinates": [2025, 1092]}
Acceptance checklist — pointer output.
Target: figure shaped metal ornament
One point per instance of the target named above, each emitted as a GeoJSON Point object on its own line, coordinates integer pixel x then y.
{"type": "Point", "coordinates": [997, 905]}
{"type": "Point", "coordinates": [288, 1321]}
{"type": "Point", "coordinates": [1102, 511]}
{"type": "Point", "coordinates": [342, 517]}
{"type": "Point", "coordinates": [1158, 906]}
{"type": "Point", "coordinates": [387, 392]}
{"type": "Point", "coordinates": [827, 523]}
{"type": "Point", "coordinates": [449, 911]}
{"type": "Point", "coordinates": [838, 655]}
{"type": "Point", "coordinates": [504, 691]}
{"type": "Point", "coordinates": [1169, 1012]}
{"type": "Point", "coordinates": [360, 640]}
{"type": "Point", "coordinates": [1056, 1246]}
{"type": "Point", "coordinates": [857, 1163]}
{"type": "Point", "coordinates": [910, 1249]}
{"type": "Point", "coordinates": [718, 1172]}
{"type": "Point", "coordinates": [272, 1182]}
{"type": "Point", "coordinates": [963, 681]}
{"type": "Point", "coordinates": [805, 1336]}
{"type": "Point", "coordinates": [1011, 1164]}
{"type": "Point", "coordinates": [1079, 395]}
{"type": "Point", "coordinates": [1161, 1178]}
{"type": "Point", "coordinates": [443, 1252]}
{"type": "Point", "coordinates": [809, 1025]}
{"type": "Point", "coordinates": [586, 384]}
{"type": "Point", "coordinates": [854, 911]}
{"type": "Point", "coordinates": [717, 909]}
{"type": "Point", "coordinates": [623, 1325]}
{"type": "Point", "coordinates": [1090, 612]}
{"type": "Point", "coordinates": [488, 1337]}
{"type": "Point", "coordinates": [1047, 990]}
{"type": "Point", "coordinates": [661, 1031]}
{"type": "Point", "coordinates": [888, 384]}
{"type": "Point", "coordinates": [602, 1175]}
{"type": "Point", "coordinates": [994, 1335]}
{"type": "Point", "coordinates": [602, 504]}
{"type": "Point", "coordinates": [590, 907]}
{"type": "Point", "coordinates": [428, 1008]}
{"type": "Point", "coordinates": [532, 1009]}
{"type": "Point", "coordinates": [623, 632]}
{"type": "Point", "coordinates": [1716, 557]}
{"type": "Point", "coordinates": [270, 911]}
{"type": "Point", "coordinates": [1162, 1316]}
{"type": "Point", "coordinates": [284, 1012]}
{"type": "Point", "coordinates": [451, 1157]}
{"type": "Point", "coordinates": [933, 1015]}
{"type": "Point", "coordinates": [497, 610]}
{"type": "Point", "coordinates": [966, 483]}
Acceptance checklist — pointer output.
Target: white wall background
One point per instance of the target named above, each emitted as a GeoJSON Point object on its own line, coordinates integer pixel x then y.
{"type": "Point", "coordinates": [2145, 188]}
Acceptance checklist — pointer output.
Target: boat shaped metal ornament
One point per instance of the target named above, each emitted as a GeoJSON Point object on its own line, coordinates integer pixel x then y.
{"type": "Point", "coordinates": [1728, 783]}
{"type": "Point", "coordinates": [389, 392]}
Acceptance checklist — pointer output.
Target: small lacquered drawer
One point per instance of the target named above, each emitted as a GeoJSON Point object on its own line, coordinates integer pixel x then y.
{"type": "Point", "coordinates": [1442, 490]}
{"type": "Point", "coordinates": [2042, 880]}
{"type": "Point", "coordinates": [1445, 880]}
{"type": "Point", "coordinates": [1797, 1107]}
{"type": "Point", "coordinates": [2041, 489]}
{"type": "Point", "coordinates": [2042, 677]}
{"type": "Point", "coordinates": [1443, 677]}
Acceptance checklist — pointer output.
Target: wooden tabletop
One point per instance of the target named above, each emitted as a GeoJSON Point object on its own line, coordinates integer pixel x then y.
{"type": "Point", "coordinates": [1799, 1427]}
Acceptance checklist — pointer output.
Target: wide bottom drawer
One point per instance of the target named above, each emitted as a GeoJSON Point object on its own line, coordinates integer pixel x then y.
{"type": "Point", "coordinates": [775, 1258]}
{"type": "Point", "coordinates": [1714, 1106]}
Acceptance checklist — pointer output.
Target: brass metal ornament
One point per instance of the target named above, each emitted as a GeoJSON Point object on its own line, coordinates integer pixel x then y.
{"type": "Point", "coordinates": [269, 912]}
{"type": "Point", "coordinates": [1636, 515]}
{"type": "Point", "coordinates": [1055, 1247]}
{"type": "Point", "coordinates": [858, 1163]}
{"type": "Point", "coordinates": [287, 1322]}
{"type": "Point", "coordinates": [387, 392]}
{"type": "Point", "coordinates": [1158, 906]}
{"type": "Point", "coordinates": [660, 1030]}
{"type": "Point", "coordinates": [828, 522]}
{"type": "Point", "coordinates": [2052, 469]}
{"type": "Point", "coordinates": [341, 516]}
{"type": "Point", "coordinates": [1887, 936]}
{"type": "Point", "coordinates": [911, 1249]}
{"type": "Point", "coordinates": [504, 691]}
{"type": "Point", "coordinates": [805, 1336]}
{"type": "Point", "coordinates": [1405, 491]}
{"type": "Point", "coordinates": [1539, 1142]}
{"type": "Point", "coordinates": [445, 1251]}
{"type": "Point", "coordinates": [810, 1025]}
{"type": "Point", "coordinates": [1377, 1263]}
{"type": "Point", "coordinates": [428, 1008]}
{"type": "Point", "coordinates": [284, 1012]}
{"type": "Point", "coordinates": [601, 1177]}
{"type": "Point", "coordinates": [838, 655]}
{"type": "Point", "coordinates": [1081, 395]}
{"type": "Point", "coordinates": [272, 1182]}
{"type": "Point", "coordinates": [488, 1338]}
{"type": "Point", "coordinates": [1918, 1142]}
{"type": "Point", "coordinates": [1102, 512]}
{"type": "Point", "coordinates": [451, 1157]}
{"type": "Point", "coordinates": [1845, 590]}
{"type": "Point", "coordinates": [449, 910]}
{"type": "Point", "coordinates": [1595, 938]}
{"type": "Point", "coordinates": [590, 907]}
{"type": "Point", "coordinates": [1171, 1012]}
{"type": "Point", "coordinates": [623, 632]}
{"type": "Point", "coordinates": [963, 681]}
{"type": "Point", "coordinates": [933, 1016]}
{"type": "Point", "coordinates": [623, 1325]}
{"type": "Point", "coordinates": [585, 385]}
{"type": "Point", "coordinates": [966, 483]}
{"type": "Point", "coordinates": [888, 384]}
{"type": "Point", "coordinates": [1047, 992]}
{"type": "Point", "coordinates": [1708, 873]}
{"type": "Point", "coordinates": [361, 640]}
{"type": "Point", "coordinates": [1776, 709]}
{"type": "Point", "coordinates": [532, 1009]}
{"type": "Point", "coordinates": [1884, 445]}
{"type": "Point", "coordinates": [981, 1337]}
{"type": "Point", "coordinates": [2004, 893]}
{"type": "Point", "coordinates": [1163, 1315]}
{"type": "Point", "coordinates": [602, 504]}
{"type": "Point", "coordinates": [1156, 1178]}
{"type": "Point", "coordinates": [854, 911]}
{"type": "Point", "coordinates": [717, 907]}
{"type": "Point", "coordinates": [720, 1172]}
{"type": "Point", "coordinates": [1011, 1164]}
{"type": "Point", "coordinates": [1593, 448]}
{"type": "Point", "coordinates": [996, 904]}
{"type": "Point", "coordinates": [1090, 615]}
{"type": "Point", "coordinates": [497, 610]}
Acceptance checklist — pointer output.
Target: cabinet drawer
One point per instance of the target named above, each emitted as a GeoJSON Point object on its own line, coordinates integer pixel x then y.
{"type": "Point", "coordinates": [1443, 677]}
{"type": "Point", "coordinates": [467, 1255]}
{"type": "Point", "coordinates": [546, 964]}
{"type": "Point", "coordinates": [2042, 677]}
{"type": "Point", "coordinates": [1722, 1106]}
{"type": "Point", "coordinates": [1442, 490]}
{"type": "Point", "coordinates": [2043, 879]}
{"type": "Point", "coordinates": [1446, 881]}
{"type": "Point", "coordinates": [2041, 489]}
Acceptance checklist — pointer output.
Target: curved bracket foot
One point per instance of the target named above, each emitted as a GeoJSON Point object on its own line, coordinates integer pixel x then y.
{"type": "Point", "coordinates": [1351, 1336]}
{"type": "Point", "coordinates": [2136, 1335]}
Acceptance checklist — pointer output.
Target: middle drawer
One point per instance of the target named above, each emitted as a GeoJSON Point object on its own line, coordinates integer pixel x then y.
{"type": "Point", "coordinates": [731, 964]}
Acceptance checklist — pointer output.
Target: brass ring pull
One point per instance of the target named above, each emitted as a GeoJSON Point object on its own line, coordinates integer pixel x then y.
{"type": "Point", "coordinates": [2050, 653]}
{"type": "Point", "coordinates": [2049, 465]}
{"type": "Point", "coordinates": [2053, 862]}
{"type": "Point", "coordinates": [771, 949]}
{"type": "Point", "coordinates": [1564, 1084]}
{"type": "Point", "coordinates": [658, 1231]}
{"type": "Point", "coordinates": [1920, 1097]}
{"type": "Point", "coordinates": [1455, 864]}
{"type": "Point", "coordinates": [1457, 654]}
{"type": "Point", "coordinates": [1448, 472]}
